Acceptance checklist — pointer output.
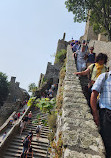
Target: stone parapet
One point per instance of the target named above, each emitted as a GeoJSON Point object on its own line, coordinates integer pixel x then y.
{"type": "Point", "coordinates": [80, 134]}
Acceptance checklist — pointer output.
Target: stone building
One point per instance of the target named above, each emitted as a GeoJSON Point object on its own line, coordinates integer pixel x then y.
{"type": "Point", "coordinates": [15, 92]}
{"type": "Point", "coordinates": [16, 95]}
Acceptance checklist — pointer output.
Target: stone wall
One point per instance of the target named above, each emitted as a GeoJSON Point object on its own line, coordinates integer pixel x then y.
{"type": "Point", "coordinates": [52, 71]}
{"type": "Point", "coordinates": [89, 33]}
{"type": "Point", "coordinates": [102, 47]}
{"type": "Point", "coordinates": [15, 92]}
{"type": "Point", "coordinates": [40, 80]}
{"type": "Point", "coordinates": [80, 134]}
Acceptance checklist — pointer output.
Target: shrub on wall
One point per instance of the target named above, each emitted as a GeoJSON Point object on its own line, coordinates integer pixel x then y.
{"type": "Point", "coordinates": [57, 147]}
{"type": "Point", "coordinates": [59, 99]}
{"type": "Point", "coordinates": [60, 56]}
{"type": "Point", "coordinates": [52, 120]}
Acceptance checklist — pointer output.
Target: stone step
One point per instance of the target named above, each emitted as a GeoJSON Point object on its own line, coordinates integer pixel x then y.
{"type": "Point", "coordinates": [35, 125]}
{"type": "Point", "coordinates": [20, 143]}
{"type": "Point", "coordinates": [42, 141]}
{"type": "Point", "coordinates": [33, 146]}
{"type": "Point", "coordinates": [17, 155]}
{"type": "Point", "coordinates": [43, 132]}
{"type": "Point", "coordinates": [19, 150]}
{"type": "Point", "coordinates": [42, 136]}
{"type": "Point", "coordinates": [40, 147]}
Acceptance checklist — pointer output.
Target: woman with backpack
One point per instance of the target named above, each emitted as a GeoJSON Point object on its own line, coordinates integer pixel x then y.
{"type": "Point", "coordinates": [38, 130]}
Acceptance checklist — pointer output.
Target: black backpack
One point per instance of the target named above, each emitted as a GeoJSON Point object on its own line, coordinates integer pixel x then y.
{"type": "Point", "coordinates": [37, 129]}
{"type": "Point", "coordinates": [25, 142]}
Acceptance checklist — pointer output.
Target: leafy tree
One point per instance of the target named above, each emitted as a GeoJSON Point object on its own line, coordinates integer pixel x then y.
{"type": "Point", "coordinates": [3, 88]}
{"type": "Point", "coordinates": [32, 88]}
{"type": "Point", "coordinates": [97, 11]}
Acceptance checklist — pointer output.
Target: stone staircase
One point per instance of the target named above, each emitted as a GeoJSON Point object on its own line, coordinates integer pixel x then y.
{"type": "Point", "coordinates": [40, 147]}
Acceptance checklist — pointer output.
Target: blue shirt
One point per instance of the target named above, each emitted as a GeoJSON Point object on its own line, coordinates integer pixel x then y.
{"type": "Point", "coordinates": [91, 58]}
{"type": "Point", "coordinates": [75, 47]}
{"type": "Point", "coordinates": [103, 86]}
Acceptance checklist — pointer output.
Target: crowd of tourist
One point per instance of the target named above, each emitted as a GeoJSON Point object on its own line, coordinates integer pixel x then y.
{"type": "Point", "coordinates": [27, 147]}
{"type": "Point", "coordinates": [26, 120]}
{"type": "Point", "coordinates": [49, 93]}
{"type": "Point", "coordinates": [99, 87]}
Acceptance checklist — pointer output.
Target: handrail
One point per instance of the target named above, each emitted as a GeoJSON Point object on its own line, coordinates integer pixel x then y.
{"type": "Point", "coordinates": [13, 129]}
{"type": "Point", "coordinates": [6, 122]}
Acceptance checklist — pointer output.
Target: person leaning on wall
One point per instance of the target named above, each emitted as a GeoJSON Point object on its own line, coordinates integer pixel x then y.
{"type": "Point", "coordinates": [94, 70]}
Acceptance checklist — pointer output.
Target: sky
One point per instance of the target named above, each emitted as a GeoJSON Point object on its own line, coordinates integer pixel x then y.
{"type": "Point", "coordinates": [29, 33]}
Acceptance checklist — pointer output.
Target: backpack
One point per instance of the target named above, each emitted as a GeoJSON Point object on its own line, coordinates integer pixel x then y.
{"type": "Point", "coordinates": [90, 83]}
{"type": "Point", "coordinates": [37, 128]}
{"type": "Point", "coordinates": [91, 72]}
{"type": "Point", "coordinates": [25, 142]}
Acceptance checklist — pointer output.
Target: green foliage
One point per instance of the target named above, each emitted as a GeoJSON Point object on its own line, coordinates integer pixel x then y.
{"type": "Point", "coordinates": [44, 121]}
{"type": "Point", "coordinates": [4, 85]}
{"type": "Point", "coordinates": [57, 147]}
{"type": "Point", "coordinates": [35, 121]}
{"type": "Point", "coordinates": [60, 56]}
{"type": "Point", "coordinates": [43, 81]}
{"type": "Point", "coordinates": [78, 7]}
{"type": "Point", "coordinates": [51, 136]}
{"type": "Point", "coordinates": [98, 12]}
{"type": "Point", "coordinates": [59, 99]}
{"type": "Point", "coordinates": [38, 116]}
{"type": "Point", "coordinates": [46, 105]}
{"type": "Point", "coordinates": [31, 101]}
{"type": "Point", "coordinates": [52, 121]}
{"type": "Point", "coordinates": [32, 88]}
